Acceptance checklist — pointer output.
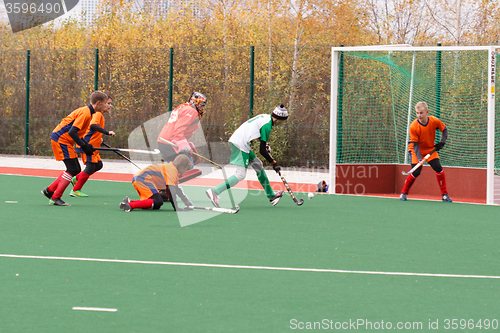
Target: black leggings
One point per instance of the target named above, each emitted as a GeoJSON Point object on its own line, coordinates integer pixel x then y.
{"type": "Point", "coordinates": [72, 166]}
{"type": "Point", "coordinates": [157, 200]}
{"type": "Point", "coordinates": [435, 164]}
{"type": "Point", "coordinates": [91, 168]}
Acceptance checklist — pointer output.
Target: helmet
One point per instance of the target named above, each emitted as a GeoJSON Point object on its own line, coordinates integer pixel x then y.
{"type": "Point", "coordinates": [280, 112]}
{"type": "Point", "coordinates": [199, 101]}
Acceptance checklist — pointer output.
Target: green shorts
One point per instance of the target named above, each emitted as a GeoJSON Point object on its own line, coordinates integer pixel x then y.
{"type": "Point", "coordinates": [239, 157]}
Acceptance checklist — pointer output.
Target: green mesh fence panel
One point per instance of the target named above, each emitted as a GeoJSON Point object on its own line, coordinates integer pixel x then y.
{"type": "Point", "coordinates": [13, 101]}
{"type": "Point", "coordinates": [376, 102]}
{"type": "Point", "coordinates": [62, 80]}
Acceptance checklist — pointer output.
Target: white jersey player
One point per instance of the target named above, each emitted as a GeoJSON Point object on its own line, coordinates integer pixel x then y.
{"type": "Point", "coordinates": [259, 127]}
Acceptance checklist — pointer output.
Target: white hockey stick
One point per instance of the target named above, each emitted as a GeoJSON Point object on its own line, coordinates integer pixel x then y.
{"type": "Point", "coordinates": [419, 164]}
{"type": "Point", "coordinates": [137, 151]}
{"type": "Point", "coordinates": [216, 209]}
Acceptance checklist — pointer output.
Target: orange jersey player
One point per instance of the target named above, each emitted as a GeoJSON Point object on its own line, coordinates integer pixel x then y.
{"type": "Point", "coordinates": [63, 137]}
{"type": "Point", "coordinates": [93, 162]}
{"type": "Point", "coordinates": [157, 178]}
{"type": "Point", "coordinates": [182, 123]}
{"type": "Point", "coordinates": [422, 138]}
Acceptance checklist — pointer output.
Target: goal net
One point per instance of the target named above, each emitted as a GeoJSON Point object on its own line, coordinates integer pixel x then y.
{"type": "Point", "coordinates": [373, 97]}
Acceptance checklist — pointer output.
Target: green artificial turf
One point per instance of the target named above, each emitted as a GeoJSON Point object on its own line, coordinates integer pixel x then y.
{"type": "Point", "coordinates": [328, 232]}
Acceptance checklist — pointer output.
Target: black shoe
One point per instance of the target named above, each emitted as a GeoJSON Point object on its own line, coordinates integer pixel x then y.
{"type": "Point", "coordinates": [47, 193]}
{"type": "Point", "coordinates": [58, 202]}
{"type": "Point", "coordinates": [446, 198]}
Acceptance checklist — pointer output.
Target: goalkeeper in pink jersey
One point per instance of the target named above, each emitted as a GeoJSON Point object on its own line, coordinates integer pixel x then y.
{"type": "Point", "coordinates": [182, 123]}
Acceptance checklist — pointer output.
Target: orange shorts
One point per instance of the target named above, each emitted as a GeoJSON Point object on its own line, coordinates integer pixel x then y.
{"type": "Point", "coordinates": [95, 157]}
{"type": "Point", "coordinates": [423, 152]}
{"type": "Point", "coordinates": [145, 190]}
{"type": "Point", "coordinates": [63, 151]}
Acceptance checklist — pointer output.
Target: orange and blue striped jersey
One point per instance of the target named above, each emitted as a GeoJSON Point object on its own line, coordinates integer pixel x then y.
{"type": "Point", "coordinates": [80, 118]}
{"type": "Point", "coordinates": [158, 175]}
{"type": "Point", "coordinates": [94, 137]}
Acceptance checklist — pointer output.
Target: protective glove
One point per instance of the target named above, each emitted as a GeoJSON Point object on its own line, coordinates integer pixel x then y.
{"type": "Point", "coordinates": [88, 148]}
{"type": "Point", "coordinates": [164, 195]}
{"type": "Point", "coordinates": [196, 159]}
{"type": "Point", "coordinates": [439, 145]}
{"type": "Point", "coordinates": [182, 147]}
{"type": "Point", "coordinates": [277, 168]}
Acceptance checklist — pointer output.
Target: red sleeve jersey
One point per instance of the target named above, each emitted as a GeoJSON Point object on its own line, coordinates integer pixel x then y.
{"type": "Point", "coordinates": [183, 121]}
{"type": "Point", "coordinates": [424, 136]}
{"type": "Point", "coordinates": [79, 118]}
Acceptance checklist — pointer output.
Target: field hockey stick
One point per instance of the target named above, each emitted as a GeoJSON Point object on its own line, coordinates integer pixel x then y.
{"type": "Point", "coordinates": [144, 134]}
{"type": "Point", "coordinates": [217, 209]}
{"type": "Point", "coordinates": [137, 151]}
{"type": "Point", "coordinates": [298, 202]}
{"type": "Point", "coordinates": [419, 164]}
{"type": "Point", "coordinates": [195, 154]}
{"type": "Point", "coordinates": [215, 164]}
{"type": "Point", "coordinates": [121, 155]}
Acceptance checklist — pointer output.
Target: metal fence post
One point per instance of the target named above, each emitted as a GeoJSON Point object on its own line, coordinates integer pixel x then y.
{"type": "Point", "coordinates": [252, 78]}
{"type": "Point", "coordinates": [339, 106]}
{"type": "Point", "coordinates": [171, 80]}
{"type": "Point", "coordinates": [27, 122]}
{"type": "Point", "coordinates": [438, 83]}
{"type": "Point", "coordinates": [96, 76]}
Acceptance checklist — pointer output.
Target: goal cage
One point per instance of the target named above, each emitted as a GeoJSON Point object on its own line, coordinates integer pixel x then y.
{"type": "Point", "coordinates": [374, 90]}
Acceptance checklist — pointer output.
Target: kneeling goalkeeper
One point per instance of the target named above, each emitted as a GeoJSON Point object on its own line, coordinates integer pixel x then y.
{"type": "Point", "coordinates": [158, 183]}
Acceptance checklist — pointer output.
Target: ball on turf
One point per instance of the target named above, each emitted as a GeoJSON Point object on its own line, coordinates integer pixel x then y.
{"type": "Point", "coordinates": [310, 195]}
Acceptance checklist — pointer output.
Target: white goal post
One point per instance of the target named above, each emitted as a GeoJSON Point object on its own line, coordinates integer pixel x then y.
{"type": "Point", "coordinates": [488, 92]}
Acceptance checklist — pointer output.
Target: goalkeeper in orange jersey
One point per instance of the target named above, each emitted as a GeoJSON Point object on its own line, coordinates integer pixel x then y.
{"type": "Point", "coordinates": [422, 138]}
{"type": "Point", "coordinates": [158, 183]}
{"type": "Point", "coordinates": [93, 162]}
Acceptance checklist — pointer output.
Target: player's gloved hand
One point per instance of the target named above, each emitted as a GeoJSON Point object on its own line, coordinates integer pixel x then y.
{"type": "Point", "coordinates": [439, 145]}
{"type": "Point", "coordinates": [277, 168]}
{"type": "Point", "coordinates": [182, 147]}
{"type": "Point", "coordinates": [196, 159]}
{"type": "Point", "coordinates": [164, 195]}
{"type": "Point", "coordinates": [88, 149]}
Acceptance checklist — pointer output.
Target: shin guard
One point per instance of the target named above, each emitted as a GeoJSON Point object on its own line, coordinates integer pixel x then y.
{"type": "Point", "coordinates": [410, 179]}
{"type": "Point", "coordinates": [442, 182]}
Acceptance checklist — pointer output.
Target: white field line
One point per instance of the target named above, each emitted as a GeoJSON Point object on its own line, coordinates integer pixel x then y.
{"type": "Point", "coordinates": [82, 308]}
{"type": "Point", "coordinates": [316, 270]}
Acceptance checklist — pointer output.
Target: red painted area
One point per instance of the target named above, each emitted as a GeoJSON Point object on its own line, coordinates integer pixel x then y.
{"type": "Point", "coordinates": [469, 183]}
{"type": "Point", "coordinates": [365, 178]}
{"type": "Point", "coordinates": [464, 184]}
{"type": "Point", "coordinates": [55, 173]}
{"type": "Point", "coordinates": [123, 177]}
